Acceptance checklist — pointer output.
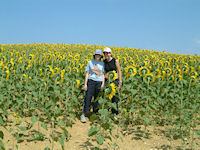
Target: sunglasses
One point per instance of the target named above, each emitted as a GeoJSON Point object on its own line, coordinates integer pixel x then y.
{"type": "Point", "coordinates": [106, 53]}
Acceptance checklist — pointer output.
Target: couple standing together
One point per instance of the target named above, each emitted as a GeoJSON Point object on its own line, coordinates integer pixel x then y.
{"type": "Point", "coordinates": [95, 79]}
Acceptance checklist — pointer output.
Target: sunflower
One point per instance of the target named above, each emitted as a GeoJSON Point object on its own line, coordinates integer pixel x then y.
{"type": "Point", "coordinates": [62, 75]}
{"type": "Point", "coordinates": [110, 91]}
{"type": "Point", "coordinates": [19, 61]}
{"type": "Point", "coordinates": [168, 71]}
{"type": "Point", "coordinates": [11, 64]}
{"type": "Point", "coordinates": [49, 56]}
{"type": "Point", "coordinates": [41, 71]}
{"type": "Point", "coordinates": [50, 71]}
{"type": "Point", "coordinates": [31, 57]}
{"type": "Point", "coordinates": [175, 66]}
{"type": "Point", "coordinates": [75, 70]}
{"type": "Point", "coordinates": [174, 60]}
{"type": "Point", "coordinates": [56, 70]}
{"type": "Point", "coordinates": [3, 59]}
{"type": "Point", "coordinates": [163, 73]}
{"type": "Point", "coordinates": [171, 78]}
{"type": "Point", "coordinates": [191, 69]}
{"type": "Point", "coordinates": [80, 66]}
{"type": "Point", "coordinates": [157, 73]}
{"type": "Point", "coordinates": [146, 61]}
{"type": "Point", "coordinates": [143, 71]}
{"type": "Point", "coordinates": [77, 57]}
{"type": "Point", "coordinates": [123, 60]}
{"type": "Point", "coordinates": [130, 71]}
{"type": "Point", "coordinates": [157, 63]}
{"type": "Point", "coordinates": [165, 64]}
{"type": "Point", "coordinates": [178, 78]}
{"type": "Point", "coordinates": [14, 72]}
{"type": "Point", "coordinates": [78, 82]}
{"type": "Point", "coordinates": [112, 75]}
{"type": "Point", "coordinates": [131, 62]}
{"type": "Point", "coordinates": [68, 69]}
{"type": "Point", "coordinates": [185, 69]}
{"type": "Point", "coordinates": [194, 73]}
{"type": "Point", "coordinates": [177, 72]}
{"type": "Point", "coordinates": [85, 62]}
{"type": "Point", "coordinates": [193, 79]}
{"type": "Point", "coordinates": [149, 77]}
{"type": "Point", "coordinates": [58, 79]}
{"type": "Point", "coordinates": [23, 78]}
{"type": "Point", "coordinates": [27, 65]}
{"type": "Point", "coordinates": [7, 74]}
{"type": "Point", "coordinates": [1, 64]}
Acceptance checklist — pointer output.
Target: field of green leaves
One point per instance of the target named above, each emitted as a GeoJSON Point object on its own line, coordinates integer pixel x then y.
{"type": "Point", "coordinates": [45, 81]}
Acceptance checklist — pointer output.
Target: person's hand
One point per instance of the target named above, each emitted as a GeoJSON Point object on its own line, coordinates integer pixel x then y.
{"type": "Point", "coordinates": [120, 86]}
{"type": "Point", "coordinates": [85, 87]}
{"type": "Point", "coordinates": [102, 86]}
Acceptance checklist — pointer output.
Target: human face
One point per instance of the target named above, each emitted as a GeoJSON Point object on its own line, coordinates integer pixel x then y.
{"type": "Point", "coordinates": [97, 57]}
{"type": "Point", "coordinates": [107, 55]}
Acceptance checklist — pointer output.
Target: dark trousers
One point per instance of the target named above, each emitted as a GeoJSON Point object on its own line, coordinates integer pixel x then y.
{"type": "Point", "coordinates": [115, 99]}
{"type": "Point", "coordinates": [93, 89]}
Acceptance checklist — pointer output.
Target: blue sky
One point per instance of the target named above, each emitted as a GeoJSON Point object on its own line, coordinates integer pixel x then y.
{"type": "Point", "coordinates": [170, 25]}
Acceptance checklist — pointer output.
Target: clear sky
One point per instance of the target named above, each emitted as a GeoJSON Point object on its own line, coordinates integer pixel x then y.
{"type": "Point", "coordinates": [170, 25]}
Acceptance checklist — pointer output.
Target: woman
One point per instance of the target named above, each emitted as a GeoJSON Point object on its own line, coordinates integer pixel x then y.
{"type": "Point", "coordinates": [94, 81]}
{"type": "Point", "coordinates": [111, 64]}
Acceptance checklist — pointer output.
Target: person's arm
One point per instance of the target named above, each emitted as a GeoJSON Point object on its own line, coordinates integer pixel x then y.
{"type": "Point", "coordinates": [86, 80]}
{"type": "Point", "coordinates": [103, 82]}
{"type": "Point", "coordinates": [119, 73]}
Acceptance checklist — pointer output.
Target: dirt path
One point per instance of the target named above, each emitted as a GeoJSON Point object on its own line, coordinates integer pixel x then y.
{"type": "Point", "coordinates": [133, 140]}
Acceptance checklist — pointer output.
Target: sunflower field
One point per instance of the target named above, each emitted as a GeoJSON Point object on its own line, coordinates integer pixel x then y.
{"type": "Point", "coordinates": [45, 82]}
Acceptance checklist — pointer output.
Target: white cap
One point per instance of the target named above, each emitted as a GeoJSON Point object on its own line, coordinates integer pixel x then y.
{"type": "Point", "coordinates": [107, 49]}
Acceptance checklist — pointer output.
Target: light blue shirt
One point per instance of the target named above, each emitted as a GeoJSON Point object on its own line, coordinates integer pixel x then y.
{"type": "Point", "coordinates": [95, 69]}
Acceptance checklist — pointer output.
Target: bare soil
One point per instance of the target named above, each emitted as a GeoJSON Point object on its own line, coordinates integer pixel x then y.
{"type": "Point", "coordinates": [79, 140]}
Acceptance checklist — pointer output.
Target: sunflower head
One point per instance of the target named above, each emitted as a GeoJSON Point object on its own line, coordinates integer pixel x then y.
{"type": "Point", "coordinates": [110, 91]}
{"type": "Point", "coordinates": [112, 75]}
{"type": "Point", "coordinates": [174, 60]}
{"type": "Point", "coordinates": [171, 78]}
{"type": "Point", "coordinates": [166, 64]}
{"type": "Point", "coordinates": [24, 77]}
{"type": "Point", "coordinates": [194, 73]}
{"type": "Point", "coordinates": [177, 72]}
{"type": "Point", "coordinates": [56, 70]}
{"type": "Point", "coordinates": [78, 82]}
{"type": "Point", "coordinates": [131, 71]}
{"type": "Point", "coordinates": [68, 69]}
{"type": "Point", "coordinates": [31, 57]}
{"type": "Point", "coordinates": [75, 70]}
{"type": "Point", "coordinates": [157, 72]}
{"type": "Point", "coordinates": [143, 71]}
{"type": "Point", "coordinates": [175, 66]}
{"type": "Point", "coordinates": [178, 78]}
{"type": "Point", "coordinates": [185, 69]}
{"type": "Point", "coordinates": [149, 77]}
{"type": "Point", "coordinates": [6, 74]}
{"type": "Point", "coordinates": [168, 71]}
{"type": "Point", "coordinates": [193, 79]}
{"type": "Point", "coordinates": [50, 71]}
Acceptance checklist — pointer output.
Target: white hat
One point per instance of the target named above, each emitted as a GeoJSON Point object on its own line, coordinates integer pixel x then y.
{"type": "Point", "coordinates": [107, 49]}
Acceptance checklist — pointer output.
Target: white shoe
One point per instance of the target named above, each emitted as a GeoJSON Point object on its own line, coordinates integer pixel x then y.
{"type": "Point", "coordinates": [115, 118]}
{"type": "Point", "coordinates": [83, 120]}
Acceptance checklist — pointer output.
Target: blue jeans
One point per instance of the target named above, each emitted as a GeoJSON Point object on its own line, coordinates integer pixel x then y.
{"type": "Point", "coordinates": [93, 89]}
